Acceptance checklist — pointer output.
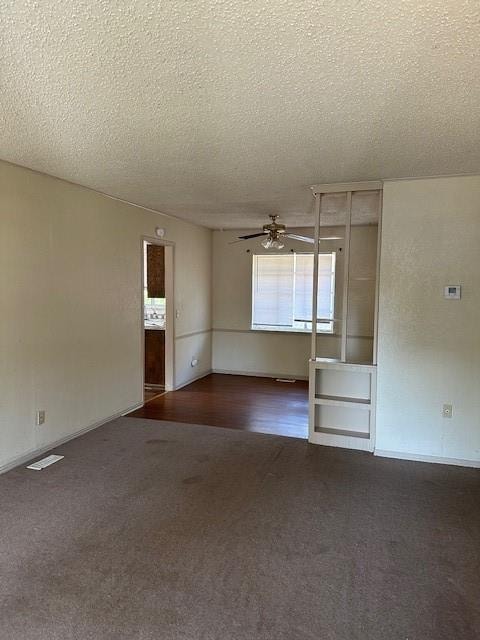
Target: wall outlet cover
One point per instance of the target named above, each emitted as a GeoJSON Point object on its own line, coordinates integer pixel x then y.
{"type": "Point", "coordinates": [447, 411]}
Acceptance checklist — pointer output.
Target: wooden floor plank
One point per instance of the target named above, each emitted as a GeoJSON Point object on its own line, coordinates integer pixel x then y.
{"type": "Point", "coordinates": [237, 402]}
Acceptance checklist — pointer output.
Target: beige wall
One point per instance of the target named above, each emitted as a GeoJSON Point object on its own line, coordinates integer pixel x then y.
{"type": "Point", "coordinates": [70, 340]}
{"type": "Point", "coordinates": [429, 347]}
{"type": "Point", "coordinates": [237, 348]}
{"type": "Point", "coordinates": [70, 336]}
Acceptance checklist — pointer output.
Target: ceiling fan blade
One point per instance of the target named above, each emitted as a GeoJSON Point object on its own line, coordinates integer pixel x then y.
{"type": "Point", "coordinates": [243, 238]}
{"type": "Point", "coordinates": [294, 236]}
{"type": "Point", "coordinates": [253, 235]}
{"type": "Point", "coordinates": [311, 240]}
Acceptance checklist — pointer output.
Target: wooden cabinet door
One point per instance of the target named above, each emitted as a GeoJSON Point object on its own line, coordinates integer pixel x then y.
{"type": "Point", "coordinates": [155, 271]}
{"type": "Point", "coordinates": [154, 357]}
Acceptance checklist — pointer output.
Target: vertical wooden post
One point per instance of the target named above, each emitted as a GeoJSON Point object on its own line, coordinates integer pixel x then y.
{"type": "Point", "coordinates": [377, 277]}
{"type": "Point", "coordinates": [316, 249]}
{"type": "Point", "coordinates": [346, 269]}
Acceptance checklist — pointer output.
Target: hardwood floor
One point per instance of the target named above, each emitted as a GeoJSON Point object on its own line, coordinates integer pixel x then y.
{"type": "Point", "coordinates": [149, 394]}
{"type": "Point", "coordinates": [236, 402]}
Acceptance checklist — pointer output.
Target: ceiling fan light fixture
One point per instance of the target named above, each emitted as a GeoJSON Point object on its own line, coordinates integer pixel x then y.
{"type": "Point", "coordinates": [273, 241]}
{"type": "Point", "coordinates": [277, 244]}
{"type": "Point", "coordinates": [267, 243]}
{"type": "Point", "coordinates": [275, 234]}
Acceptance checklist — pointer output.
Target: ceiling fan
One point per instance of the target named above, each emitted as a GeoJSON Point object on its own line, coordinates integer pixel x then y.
{"type": "Point", "coordinates": [275, 232]}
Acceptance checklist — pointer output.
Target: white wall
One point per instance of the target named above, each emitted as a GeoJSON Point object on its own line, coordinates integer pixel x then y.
{"type": "Point", "coordinates": [238, 349]}
{"type": "Point", "coordinates": [70, 335]}
{"type": "Point", "coordinates": [429, 348]}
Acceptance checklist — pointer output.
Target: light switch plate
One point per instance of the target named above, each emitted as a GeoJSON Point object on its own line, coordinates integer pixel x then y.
{"type": "Point", "coordinates": [452, 292]}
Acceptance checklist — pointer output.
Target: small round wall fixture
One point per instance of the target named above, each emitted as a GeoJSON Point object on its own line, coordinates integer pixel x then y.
{"type": "Point", "coordinates": [160, 232]}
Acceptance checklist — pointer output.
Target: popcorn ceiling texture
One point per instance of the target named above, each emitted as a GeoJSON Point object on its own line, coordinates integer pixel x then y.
{"type": "Point", "coordinates": [224, 111]}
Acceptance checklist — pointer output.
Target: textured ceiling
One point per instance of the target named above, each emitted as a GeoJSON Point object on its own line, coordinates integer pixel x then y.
{"type": "Point", "coordinates": [222, 111]}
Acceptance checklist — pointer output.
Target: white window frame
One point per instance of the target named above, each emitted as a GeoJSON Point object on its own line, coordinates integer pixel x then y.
{"type": "Point", "coordinates": [327, 326]}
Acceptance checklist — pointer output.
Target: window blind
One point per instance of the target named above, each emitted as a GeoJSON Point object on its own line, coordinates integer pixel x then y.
{"type": "Point", "coordinates": [282, 290]}
{"type": "Point", "coordinates": [303, 286]}
{"type": "Point", "coordinates": [272, 290]}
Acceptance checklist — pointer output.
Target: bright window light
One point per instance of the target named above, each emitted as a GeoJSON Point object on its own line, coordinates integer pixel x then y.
{"type": "Point", "coordinates": [282, 288]}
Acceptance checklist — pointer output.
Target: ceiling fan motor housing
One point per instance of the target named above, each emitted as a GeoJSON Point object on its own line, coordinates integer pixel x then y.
{"type": "Point", "coordinates": [274, 228]}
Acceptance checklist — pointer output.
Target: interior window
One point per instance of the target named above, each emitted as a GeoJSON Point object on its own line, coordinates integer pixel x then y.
{"type": "Point", "coordinates": [282, 292]}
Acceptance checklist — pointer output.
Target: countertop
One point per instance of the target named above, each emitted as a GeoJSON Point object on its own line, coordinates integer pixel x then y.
{"type": "Point", "coordinates": [150, 325]}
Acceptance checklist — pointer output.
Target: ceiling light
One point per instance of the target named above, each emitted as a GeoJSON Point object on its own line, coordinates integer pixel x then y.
{"type": "Point", "coordinates": [267, 243]}
{"type": "Point", "coordinates": [273, 241]}
{"type": "Point", "coordinates": [277, 244]}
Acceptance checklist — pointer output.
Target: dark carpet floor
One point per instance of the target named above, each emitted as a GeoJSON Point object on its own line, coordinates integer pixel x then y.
{"type": "Point", "coordinates": [150, 531]}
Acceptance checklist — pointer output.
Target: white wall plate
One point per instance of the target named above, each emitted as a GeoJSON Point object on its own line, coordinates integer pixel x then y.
{"type": "Point", "coordinates": [452, 292]}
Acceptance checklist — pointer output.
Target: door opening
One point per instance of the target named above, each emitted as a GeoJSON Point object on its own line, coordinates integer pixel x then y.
{"type": "Point", "coordinates": [157, 318]}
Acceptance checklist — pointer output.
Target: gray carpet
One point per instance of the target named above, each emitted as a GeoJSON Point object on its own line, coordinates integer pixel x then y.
{"type": "Point", "coordinates": [150, 530]}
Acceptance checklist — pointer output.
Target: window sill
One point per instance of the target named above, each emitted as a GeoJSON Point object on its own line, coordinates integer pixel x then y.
{"type": "Point", "coordinates": [286, 330]}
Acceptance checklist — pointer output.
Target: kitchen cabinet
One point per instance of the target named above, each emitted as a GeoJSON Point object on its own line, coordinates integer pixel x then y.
{"type": "Point", "coordinates": [155, 271]}
{"type": "Point", "coordinates": [155, 357]}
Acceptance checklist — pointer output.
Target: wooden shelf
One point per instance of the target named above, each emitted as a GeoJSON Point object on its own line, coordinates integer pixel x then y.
{"type": "Point", "coordinates": [341, 401]}
{"type": "Point", "coordinates": [334, 363]}
{"type": "Point", "coordinates": [342, 432]}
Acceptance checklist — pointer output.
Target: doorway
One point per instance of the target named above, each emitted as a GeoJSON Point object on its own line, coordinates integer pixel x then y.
{"type": "Point", "coordinates": [157, 317]}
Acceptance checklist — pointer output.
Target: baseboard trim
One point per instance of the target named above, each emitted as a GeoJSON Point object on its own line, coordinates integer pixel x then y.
{"type": "Point", "coordinates": [256, 374]}
{"type": "Point", "coordinates": [399, 455]}
{"type": "Point", "coordinates": [34, 453]}
{"type": "Point", "coordinates": [199, 377]}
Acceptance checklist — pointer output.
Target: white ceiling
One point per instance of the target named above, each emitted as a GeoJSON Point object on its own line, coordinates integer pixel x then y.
{"type": "Point", "coordinates": [223, 111]}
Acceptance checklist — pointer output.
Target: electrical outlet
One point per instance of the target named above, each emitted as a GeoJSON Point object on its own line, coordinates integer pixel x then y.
{"type": "Point", "coordinates": [447, 411]}
{"type": "Point", "coordinates": [40, 419]}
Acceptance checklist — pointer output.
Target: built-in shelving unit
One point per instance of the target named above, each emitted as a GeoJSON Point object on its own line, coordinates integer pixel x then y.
{"type": "Point", "coordinates": [342, 404]}
{"type": "Point", "coordinates": [342, 391]}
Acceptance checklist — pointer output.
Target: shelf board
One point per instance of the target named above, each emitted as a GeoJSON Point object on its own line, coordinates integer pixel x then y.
{"type": "Point", "coordinates": [342, 432]}
{"type": "Point", "coordinates": [334, 363]}
{"type": "Point", "coordinates": [343, 401]}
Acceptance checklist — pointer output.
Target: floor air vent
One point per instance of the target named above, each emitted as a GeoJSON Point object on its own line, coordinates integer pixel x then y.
{"type": "Point", "coordinates": [44, 462]}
